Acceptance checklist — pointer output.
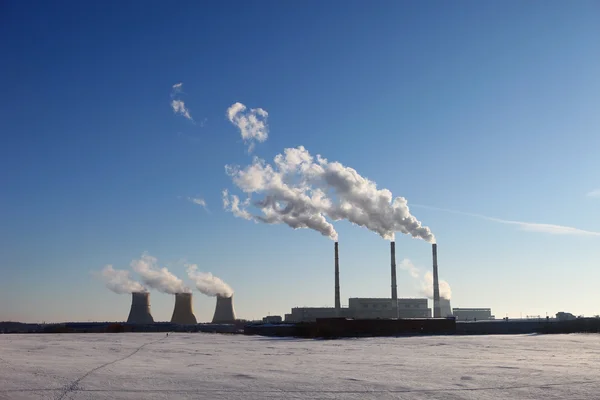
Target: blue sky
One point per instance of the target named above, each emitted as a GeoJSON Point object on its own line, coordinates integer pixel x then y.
{"type": "Point", "coordinates": [484, 108]}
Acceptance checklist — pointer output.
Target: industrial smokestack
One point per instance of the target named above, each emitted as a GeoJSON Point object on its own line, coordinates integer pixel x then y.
{"type": "Point", "coordinates": [224, 312]}
{"type": "Point", "coordinates": [437, 312]}
{"type": "Point", "coordinates": [394, 286]}
{"type": "Point", "coordinates": [182, 313]}
{"type": "Point", "coordinates": [140, 309]}
{"type": "Point", "coordinates": [337, 279]}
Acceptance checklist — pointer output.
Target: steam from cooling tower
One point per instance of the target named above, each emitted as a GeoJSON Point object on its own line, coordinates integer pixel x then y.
{"type": "Point", "coordinates": [157, 278]}
{"type": "Point", "coordinates": [119, 281]}
{"type": "Point", "coordinates": [302, 192]}
{"type": "Point", "coordinates": [209, 284]}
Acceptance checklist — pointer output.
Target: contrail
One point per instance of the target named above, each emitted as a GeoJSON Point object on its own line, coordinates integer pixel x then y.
{"type": "Point", "coordinates": [526, 226]}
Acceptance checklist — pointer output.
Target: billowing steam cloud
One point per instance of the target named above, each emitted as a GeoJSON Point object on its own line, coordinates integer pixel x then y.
{"type": "Point", "coordinates": [251, 123]}
{"type": "Point", "coordinates": [207, 283]}
{"type": "Point", "coordinates": [427, 287]}
{"type": "Point", "coordinates": [157, 278]}
{"type": "Point", "coordinates": [302, 192]}
{"type": "Point", "coordinates": [425, 282]}
{"type": "Point", "coordinates": [119, 281]}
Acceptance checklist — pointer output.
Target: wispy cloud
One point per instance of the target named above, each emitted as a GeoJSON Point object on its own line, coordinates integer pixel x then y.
{"type": "Point", "coordinates": [179, 107]}
{"type": "Point", "coordinates": [594, 193]}
{"type": "Point", "coordinates": [199, 201]}
{"type": "Point", "coordinates": [525, 226]}
{"type": "Point", "coordinates": [177, 104]}
{"type": "Point", "coordinates": [252, 123]}
{"type": "Point", "coordinates": [177, 88]}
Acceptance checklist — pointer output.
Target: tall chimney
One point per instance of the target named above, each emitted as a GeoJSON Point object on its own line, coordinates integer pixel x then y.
{"type": "Point", "coordinates": [337, 279]}
{"type": "Point", "coordinates": [140, 309]}
{"type": "Point", "coordinates": [437, 312]}
{"type": "Point", "coordinates": [394, 287]}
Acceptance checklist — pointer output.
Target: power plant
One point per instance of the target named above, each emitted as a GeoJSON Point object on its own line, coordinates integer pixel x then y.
{"type": "Point", "coordinates": [140, 309]}
{"type": "Point", "coordinates": [182, 313]}
{"type": "Point", "coordinates": [224, 311]}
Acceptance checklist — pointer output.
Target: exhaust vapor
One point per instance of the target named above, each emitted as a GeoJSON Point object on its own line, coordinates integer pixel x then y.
{"type": "Point", "coordinates": [157, 278]}
{"type": "Point", "coordinates": [208, 284]}
{"type": "Point", "coordinates": [425, 281]}
{"type": "Point", "coordinates": [302, 192]}
{"type": "Point", "coordinates": [119, 281]}
{"type": "Point", "coordinates": [427, 287]}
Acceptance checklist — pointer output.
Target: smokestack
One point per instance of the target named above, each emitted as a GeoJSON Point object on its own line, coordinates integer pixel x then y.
{"type": "Point", "coordinates": [182, 313]}
{"type": "Point", "coordinates": [437, 312]}
{"type": "Point", "coordinates": [394, 286]}
{"type": "Point", "coordinates": [337, 279]}
{"type": "Point", "coordinates": [224, 312]}
{"type": "Point", "coordinates": [140, 309]}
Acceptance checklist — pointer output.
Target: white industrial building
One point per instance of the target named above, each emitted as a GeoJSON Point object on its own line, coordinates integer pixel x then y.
{"type": "Point", "coordinates": [364, 308]}
{"type": "Point", "coordinates": [473, 314]}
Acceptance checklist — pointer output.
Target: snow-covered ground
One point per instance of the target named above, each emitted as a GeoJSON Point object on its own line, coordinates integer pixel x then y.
{"type": "Point", "coordinates": [210, 366]}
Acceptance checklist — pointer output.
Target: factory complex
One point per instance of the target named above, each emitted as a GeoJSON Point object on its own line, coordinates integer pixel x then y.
{"type": "Point", "coordinates": [378, 308]}
{"type": "Point", "coordinates": [388, 308]}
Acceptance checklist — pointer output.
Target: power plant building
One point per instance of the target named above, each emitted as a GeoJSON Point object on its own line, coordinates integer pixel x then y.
{"type": "Point", "coordinates": [473, 314]}
{"type": "Point", "coordinates": [308, 314]}
{"type": "Point", "coordinates": [364, 308]}
{"type": "Point", "coordinates": [384, 308]}
{"type": "Point", "coordinates": [372, 308]}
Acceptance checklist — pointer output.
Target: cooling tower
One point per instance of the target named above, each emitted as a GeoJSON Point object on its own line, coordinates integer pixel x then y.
{"type": "Point", "coordinates": [337, 279]}
{"type": "Point", "coordinates": [140, 309]}
{"type": "Point", "coordinates": [224, 312]}
{"type": "Point", "coordinates": [394, 286]}
{"type": "Point", "coordinates": [437, 312]}
{"type": "Point", "coordinates": [182, 313]}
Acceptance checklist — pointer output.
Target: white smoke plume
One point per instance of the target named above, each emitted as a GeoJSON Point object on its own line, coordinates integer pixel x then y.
{"type": "Point", "coordinates": [251, 123]}
{"type": "Point", "coordinates": [426, 281]}
{"type": "Point", "coordinates": [207, 283]}
{"type": "Point", "coordinates": [301, 192]}
{"type": "Point", "coordinates": [427, 287]}
{"type": "Point", "coordinates": [157, 278]}
{"type": "Point", "coordinates": [119, 281]}
{"type": "Point", "coordinates": [409, 267]}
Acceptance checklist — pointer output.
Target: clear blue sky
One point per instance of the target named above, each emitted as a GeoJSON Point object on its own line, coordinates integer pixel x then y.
{"type": "Point", "coordinates": [488, 108]}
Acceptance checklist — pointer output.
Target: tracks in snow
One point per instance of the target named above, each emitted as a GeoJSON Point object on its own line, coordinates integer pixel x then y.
{"type": "Point", "coordinates": [72, 387]}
